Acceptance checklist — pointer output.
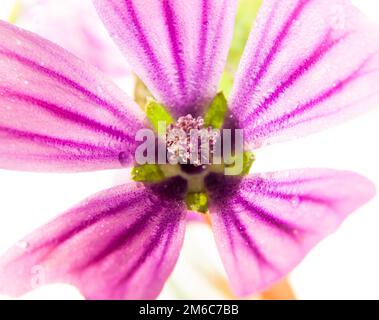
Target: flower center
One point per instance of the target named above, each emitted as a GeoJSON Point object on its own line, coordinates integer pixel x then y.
{"type": "Point", "coordinates": [191, 144]}
{"type": "Point", "coordinates": [195, 150]}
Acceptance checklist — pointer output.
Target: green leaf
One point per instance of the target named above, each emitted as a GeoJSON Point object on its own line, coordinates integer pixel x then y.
{"type": "Point", "coordinates": [216, 113]}
{"type": "Point", "coordinates": [246, 14]}
{"type": "Point", "coordinates": [197, 201]}
{"type": "Point", "coordinates": [157, 113]}
{"type": "Point", "coordinates": [147, 173]}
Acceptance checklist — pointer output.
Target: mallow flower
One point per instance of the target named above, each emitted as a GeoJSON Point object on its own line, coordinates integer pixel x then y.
{"type": "Point", "coordinates": [307, 64]}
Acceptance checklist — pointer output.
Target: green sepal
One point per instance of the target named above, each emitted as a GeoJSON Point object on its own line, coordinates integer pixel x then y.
{"type": "Point", "coordinates": [197, 201]}
{"type": "Point", "coordinates": [215, 115]}
{"type": "Point", "coordinates": [157, 113]}
{"type": "Point", "coordinates": [248, 160]}
{"type": "Point", "coordinates": [147, 173]}
{"type": "Point", "coordinates": [141, 94]}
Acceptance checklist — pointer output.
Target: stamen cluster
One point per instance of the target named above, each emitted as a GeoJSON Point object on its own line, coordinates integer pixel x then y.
{"type": "Point", "coordinates": [189, 142]}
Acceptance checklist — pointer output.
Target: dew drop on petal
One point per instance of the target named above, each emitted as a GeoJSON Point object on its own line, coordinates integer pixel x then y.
{"type": "Point", "coordinates": [23, 245]}
{"type": "Point", "coordinates": [123, 158]}
{"type": "Point", "coordinates": [338, 17]}
{"type": "Point", "coordinates": [150, 199]}
{"type": "Point", "coordinates": [295, 201]}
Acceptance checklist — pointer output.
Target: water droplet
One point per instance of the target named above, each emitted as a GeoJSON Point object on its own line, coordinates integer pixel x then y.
{"type": "Point", "coordinates": [150, 199]}
{"type": "Point", "coordinates": [123, 158]}
{"type": "Point", "coordinates": [338, 17]}
{"type": "Point", "coordinates": [295, 201]}
{"type": "Point", "coordinates": [23, 245]}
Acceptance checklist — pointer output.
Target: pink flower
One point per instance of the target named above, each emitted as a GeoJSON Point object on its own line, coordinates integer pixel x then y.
{"type": "Point", "coordinates": [308, 64]}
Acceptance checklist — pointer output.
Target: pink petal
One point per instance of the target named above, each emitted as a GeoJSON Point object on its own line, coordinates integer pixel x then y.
{"type": "Point", "coordinates": [308, 64]}
{"type": "Point", "coordinates": [120, 244]}
{"type": "Point", "coordinates": [54, 20]}
{"type": "Point", "coordinates": [265, 224]}
{"type": "Point", "coordinates": [57, 112]}
{"type": "Point", "coordinates": [178, 48]}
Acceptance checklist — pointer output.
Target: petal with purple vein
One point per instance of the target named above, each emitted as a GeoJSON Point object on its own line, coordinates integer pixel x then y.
{"type": "Point", "coordinates": [265, 224]}
{"type": "Point", "coordinates": [57, 112]}
{"type": "Point", "coordinates": [316, 64]}
{"type": "Point", "coordinates": [178, 48]}
{"type": "Point", "coordinates": [125, 241]}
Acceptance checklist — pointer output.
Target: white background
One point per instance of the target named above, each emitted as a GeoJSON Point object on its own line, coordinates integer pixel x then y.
{"type": "Point", "coordinates": [344, 266]}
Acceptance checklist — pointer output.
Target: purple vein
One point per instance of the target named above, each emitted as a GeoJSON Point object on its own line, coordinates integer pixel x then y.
{"type": "Point", "coordinates": [204, 33]}
{"type": "Point", "coordinates": [176, 45]}
{"type": "Point", "coordinates": [83, 225]}
{"type": "Point", "coordinates": [118, 241]}
{"type": "Point", "coordinates": [267, 217]}
{"type": "Point", "coordinates": [263, 38]}
{"type": "Point", "coordinates": [225, 218]}
{"type": "Point", "coordinates": [267, 183]}
{"type": "Point", "coordinates": [332, 113]}
{"type": "Point", "coordinates": [282, 35]}
{"type": "Point", "coordinates": [288, 196]}
{"type": "Point", "coordinates": [168, 227]}
{"type": "Point", "coordinates": [229, 219]}
{"type": "Point", "coordinates": [282, 121]}
{"type": "Point", "coordinates": [259, 48]}
{"type": "Point", "coordinates": [64, 113]}
{"type": "Point", "coordinates": [65, 81]}
{"type": "Point", "coordinates": [56, 142]}
{"type": "Point", "coordinates": [308, 63]}
{"type": "Point", "coordinates": [169, 236]}
{"type": "Point", "coordinates": [213, 55]}
{"type": "Point", "coordinates": [158, 70]}
{"type": "Point", "coordinates": [249, 241]}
